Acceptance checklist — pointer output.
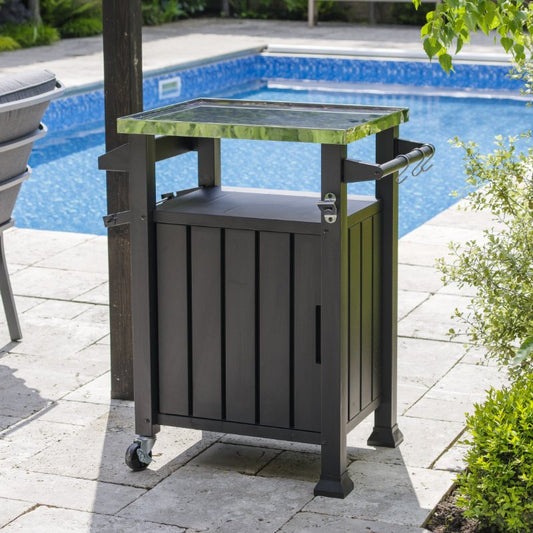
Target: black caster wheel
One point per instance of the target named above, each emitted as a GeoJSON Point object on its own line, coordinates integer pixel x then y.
{"type": "Point", "coordinates": [132, 458]}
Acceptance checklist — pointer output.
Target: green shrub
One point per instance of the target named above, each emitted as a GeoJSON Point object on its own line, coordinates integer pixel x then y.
{"type": "Point", "coordinates": [81, 27]}
{"type": "Point", "coordinates": [57, 13]}
{"type": "Point", "coordinates": [29, 34]}
{"type": "Point", "coordinates": [192, 7]}
{"type": "Point", "coordinates": [8, 43]}
{"type": "Point", "coordinates": [500, 267]}
{"type": "Point", "coordinates": [156, 12]}
{"type": "Point", "coordinates": [497, 485]}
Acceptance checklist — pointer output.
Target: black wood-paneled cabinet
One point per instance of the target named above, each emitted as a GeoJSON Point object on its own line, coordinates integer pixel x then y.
{"type": "Point", "coordinates": [264, 314]}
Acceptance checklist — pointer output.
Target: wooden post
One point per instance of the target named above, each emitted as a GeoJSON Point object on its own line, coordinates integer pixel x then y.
{"type": "Point", "coordinates": [122, 33]}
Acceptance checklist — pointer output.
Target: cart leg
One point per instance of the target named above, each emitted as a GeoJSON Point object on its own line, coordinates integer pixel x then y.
{"type": "Point", "coordinates": [143, 283]}
{"type": "Point", "coordinates": [386, 432]}
{"type": "Point", "coordinates": [334, 480]}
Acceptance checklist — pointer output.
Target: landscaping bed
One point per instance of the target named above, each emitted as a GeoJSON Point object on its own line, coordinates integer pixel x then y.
{"type": "Point", "coordinates": [448, 517]}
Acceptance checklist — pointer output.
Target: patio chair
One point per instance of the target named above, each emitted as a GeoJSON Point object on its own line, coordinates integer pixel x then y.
{"type": "Point", "coordinates": [24, 97]}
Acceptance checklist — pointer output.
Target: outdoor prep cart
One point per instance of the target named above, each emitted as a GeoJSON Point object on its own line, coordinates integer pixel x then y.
{"type": "Point", "coordinates": [271, 315]}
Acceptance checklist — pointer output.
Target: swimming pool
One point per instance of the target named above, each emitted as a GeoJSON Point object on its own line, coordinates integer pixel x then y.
{"type": "Point", "coordinates": [67, 192]}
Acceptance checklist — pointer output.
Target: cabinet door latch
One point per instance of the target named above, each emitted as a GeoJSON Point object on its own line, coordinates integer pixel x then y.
{"type": "Point", "coordinates": [328, 208]}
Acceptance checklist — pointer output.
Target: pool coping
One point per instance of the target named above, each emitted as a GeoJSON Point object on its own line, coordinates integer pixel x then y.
{"type": "Point", "coordinates": [383, 53]}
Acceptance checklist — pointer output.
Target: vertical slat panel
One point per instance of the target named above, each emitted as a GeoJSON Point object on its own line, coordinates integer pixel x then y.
{"type": "Point", "coordinates": [274, 334]}
{"type": "Point", "coordinates": [366, 312]}
{"type": "Point", "coordinates": [376, 306]}
{"type": "Point", "coordinates": [240, 325]}
{"type": "Point", "coordinates": [172, 319]}
{"type": "Point", "coordinates": [206, 322]}
{"type": "Point", "coordinates": [354, 372]}
{"type": "Point", "coordinates": [306, 300]}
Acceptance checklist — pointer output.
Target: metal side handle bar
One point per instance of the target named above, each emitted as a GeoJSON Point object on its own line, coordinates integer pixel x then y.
{"type": "Point", "coordinates": [355, 171]}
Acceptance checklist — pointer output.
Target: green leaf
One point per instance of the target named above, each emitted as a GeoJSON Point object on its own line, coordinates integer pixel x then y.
{"type": "Point", "coordinates": [432, 46]}
{"type": "Point", "coordinates": [470, 21]}
{"type": "Point", "coordinates": [490, 20]}
{"type": "Point", "coordinates": [525, 351]}
{"type": "Point", "coordinates": [458, 25]}
{"type": "Point", "coordinates": [459, 45]}
{"type": "Point", "coordinates": [507, 43]}
{"type": "Point", "coordinates": [416, 3]}
{"type": "Point", "coordinates": [518, 52]}
{"type": "Point", "coordinates": [445, 61]}
{"type": "Point", "coordinates": [425, 30]}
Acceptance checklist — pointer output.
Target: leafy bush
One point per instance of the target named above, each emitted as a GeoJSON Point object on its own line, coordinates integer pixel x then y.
{"type": "Point", "coordinates": [59, 12]}
{"type": "Point", "coordinates": [524, 73]}
{"type": "Point", "coordinates": [71, 17]}
{"type": "Point", "coordinates": [82, 27]}
{"type": "Point", "coordinates": [500, 268]}
{"type": "Point", "coordinates": [155, 12]}
{"type": "Point", "coordinates": [160, 11]}
{"type": "Point", "coordinates": [8, 43]}
{"type": "Point", "coordinates": [497, 485]}
{"type": "Point", "coordinates": [28, 34]}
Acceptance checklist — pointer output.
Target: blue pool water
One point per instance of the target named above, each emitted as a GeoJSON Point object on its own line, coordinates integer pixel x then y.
{"type": "Point", "coordinates": [67, 192]}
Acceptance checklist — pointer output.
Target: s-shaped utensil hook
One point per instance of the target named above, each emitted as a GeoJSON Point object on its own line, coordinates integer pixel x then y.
{"type": "Point", "coordinates": [422, 165]}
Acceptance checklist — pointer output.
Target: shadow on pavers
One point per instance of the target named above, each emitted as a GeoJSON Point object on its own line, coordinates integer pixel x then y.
{"type": "Point", "coordinates": [19, 404]}
{"type": "Point", "coordinates": [233, 483]}
{"type": "Point", "coordinates": [107, 440]}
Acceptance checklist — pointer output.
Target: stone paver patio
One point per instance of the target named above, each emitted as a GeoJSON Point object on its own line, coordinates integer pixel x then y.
{"type": "Point", "coordinates": [62, 439]}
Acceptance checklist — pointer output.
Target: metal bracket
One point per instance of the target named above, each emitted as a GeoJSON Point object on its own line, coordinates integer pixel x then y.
{"type": "Point", "coordinates": [145, 447]}
{"type": "Point", "coordinates": [117, 219]}
{"type": "Point", "coordinates": [354, 171]}
{"type": "Point", "coordinates": [116, 160]}
{"type": "Point", "coordinates": [328, 208]}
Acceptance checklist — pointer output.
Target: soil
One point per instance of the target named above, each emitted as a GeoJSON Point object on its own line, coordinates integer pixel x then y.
{"type": "Point", "coordinates": [448, 517]}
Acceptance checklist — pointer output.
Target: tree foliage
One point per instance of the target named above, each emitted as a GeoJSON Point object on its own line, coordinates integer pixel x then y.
{"type": "Point", "coordinates": [500, 267]}
{"type": "Point", "coordinates": [453, 22]}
